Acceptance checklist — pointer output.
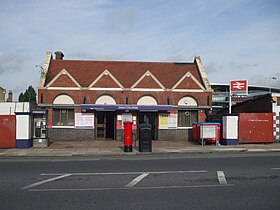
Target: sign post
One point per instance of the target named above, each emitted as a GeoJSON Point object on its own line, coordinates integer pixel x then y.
{"type": "Point", "coordinates": [237, 87]}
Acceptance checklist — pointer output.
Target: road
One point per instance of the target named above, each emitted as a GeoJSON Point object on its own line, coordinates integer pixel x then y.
{"type": "Point", "coordinates": [213, 181]}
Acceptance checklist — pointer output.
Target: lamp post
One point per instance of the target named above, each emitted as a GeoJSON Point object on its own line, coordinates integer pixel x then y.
{"type": "Point", "coordinates": [271, 78]}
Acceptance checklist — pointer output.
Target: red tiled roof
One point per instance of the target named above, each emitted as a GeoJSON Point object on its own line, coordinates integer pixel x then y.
{"type": "Point", "coordinates": [127, 73]}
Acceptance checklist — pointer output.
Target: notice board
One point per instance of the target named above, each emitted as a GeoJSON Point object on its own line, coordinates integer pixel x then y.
{"type": "Point", "coordinates": [167, 121]}
{"type": "Point", "coordinates": [84, 120]}
{"type": "Point", "coordinates": [208, 132]}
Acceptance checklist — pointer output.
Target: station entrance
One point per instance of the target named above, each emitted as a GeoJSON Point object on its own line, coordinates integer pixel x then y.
{"type": "Point", "coordinates": [105, 123]}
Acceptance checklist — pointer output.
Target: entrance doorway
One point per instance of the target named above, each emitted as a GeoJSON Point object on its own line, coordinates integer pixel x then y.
{"type": "Point", "coordinates": [105, 123]}
{"type": "Point", "coordinates": [150, 118]}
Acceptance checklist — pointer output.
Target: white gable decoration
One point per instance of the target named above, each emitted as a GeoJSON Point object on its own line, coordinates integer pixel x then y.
{"type": "Point", "coordinates": [147, 74]}
{"type": "Point", "coordinates": [106, 73]}
{"type": "Point", "coordinates": [188, 74]}
{"type": "Point", "coordinates": [63, 72]}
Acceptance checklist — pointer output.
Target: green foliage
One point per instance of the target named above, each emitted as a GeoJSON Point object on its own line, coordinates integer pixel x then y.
{"type": "Point", "coordinates": [28, 96]}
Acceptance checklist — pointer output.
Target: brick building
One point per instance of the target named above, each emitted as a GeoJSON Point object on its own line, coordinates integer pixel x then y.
{"type": "Point", "coordinates": [88, 100]}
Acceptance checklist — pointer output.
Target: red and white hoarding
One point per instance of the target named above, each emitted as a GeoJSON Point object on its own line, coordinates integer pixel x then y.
{"type": "Point", "coordinates": [239, 87]}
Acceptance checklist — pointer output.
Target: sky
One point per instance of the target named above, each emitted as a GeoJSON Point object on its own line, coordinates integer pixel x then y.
{"type": "Point", "coordinates": [236, 39]}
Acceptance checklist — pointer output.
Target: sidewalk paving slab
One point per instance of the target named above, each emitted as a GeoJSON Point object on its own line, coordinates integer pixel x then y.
{"type": "Point", "coordinates": [115, 148]}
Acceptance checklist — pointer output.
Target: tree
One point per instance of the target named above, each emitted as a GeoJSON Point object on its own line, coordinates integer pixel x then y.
{"type": "Point", "coordinates": [28, 96]}
{"type": "Point", "coordinates": [21, 97]}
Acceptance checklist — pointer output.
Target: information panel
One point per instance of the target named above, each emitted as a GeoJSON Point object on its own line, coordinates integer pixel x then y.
{"type": "Point", "coordinates": [167, 121]}
{"type": "Point", "coordinates": [84, 120]}
{"type": "Point", "coordinates": [208, 132]}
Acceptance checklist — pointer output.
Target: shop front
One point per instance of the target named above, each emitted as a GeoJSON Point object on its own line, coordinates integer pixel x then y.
{"type": "Point", "coordinates": [110, 118]}
{"type": "Point", "coordinates": [106, 121]}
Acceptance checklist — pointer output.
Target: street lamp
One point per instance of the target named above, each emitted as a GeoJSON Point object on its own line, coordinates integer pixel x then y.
{"type": "Point", "coordinates": [271, 78]}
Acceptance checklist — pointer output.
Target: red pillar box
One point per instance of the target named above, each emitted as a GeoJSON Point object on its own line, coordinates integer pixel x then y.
{"type": "Point", "coordinates": [127, 136]}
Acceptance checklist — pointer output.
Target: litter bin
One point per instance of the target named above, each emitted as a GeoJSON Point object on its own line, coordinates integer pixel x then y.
{"type": "Point", "coordinates": [195, 131]}
{"type": "Point", "coordinates": [145, 138]}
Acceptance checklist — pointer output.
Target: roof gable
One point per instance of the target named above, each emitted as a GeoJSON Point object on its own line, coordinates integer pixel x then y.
{"type": "Point", "coordinates": [106, 80]}
{"type": "Point", "coordinates": [148, 80]}
{"type": "Point", "coordinates": [63, 79]}
{"type": "Point", "coordinates": [188, 81]}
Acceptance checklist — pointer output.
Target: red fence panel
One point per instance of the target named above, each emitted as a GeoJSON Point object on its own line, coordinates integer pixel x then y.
{"type": "Point", "coordinates": [7, 131]}
{"type": "Point", "coordinates": [255, 128]}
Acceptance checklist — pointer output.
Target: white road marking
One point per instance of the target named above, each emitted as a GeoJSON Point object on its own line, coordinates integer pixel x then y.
{"type": "Point", "coordinates": [221, 177]}
{"type": "Point", "coordinates": [276, 150]}
{"type": "Point", "coordinates": [58, 174]}
{"type": "Point", "coordinates": [75, 160]}
{"type": "Point", "coordinates": [44, 181]}
{"type": "Point", "coordinates": [126, 173]}
{"type": "Point", "coordinates": [176, 172]}
{"type": "Point", "coordinates": [133, 188]}
{"type": "Point", "coordinates": [136, 180]}
{"type": "Point", "coordinates": [129, 185]}
{"type": "Point", "coordinates": [257, 150]}
{"type": "Point", "coordinates": [275, 168]}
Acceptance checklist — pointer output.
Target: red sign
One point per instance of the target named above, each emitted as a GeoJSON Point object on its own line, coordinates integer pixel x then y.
{"type": "Point", "coordinates": [239, 86]}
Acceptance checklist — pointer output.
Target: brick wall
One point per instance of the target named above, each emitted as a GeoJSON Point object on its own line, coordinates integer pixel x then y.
{"type": "Point", "coordinates": [70, 134]}
{"type": "Point", "coordinates": [175, 134]}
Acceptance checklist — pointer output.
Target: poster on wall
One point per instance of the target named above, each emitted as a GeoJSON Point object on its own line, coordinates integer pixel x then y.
{"type": "Point", "coordinates": [119, 121]}
{"type": "Point", "coordinates": [84, 120]}
{"type": "Point", "coordinates": [172, 121]}
{"type": "Point", "coordinates": [126, 117]}
{"type": "Point", "coordinates": [163, 121]}
{"type": "Point", "coordinates": [167, 121]}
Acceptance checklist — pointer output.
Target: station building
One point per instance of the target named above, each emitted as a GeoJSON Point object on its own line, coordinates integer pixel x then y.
{"type": "Point", "coordinates": [90, 100]}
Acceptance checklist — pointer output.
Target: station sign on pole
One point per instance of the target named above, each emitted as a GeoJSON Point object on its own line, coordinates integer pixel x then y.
{"type": "Point", "coordinates": [237, 88]}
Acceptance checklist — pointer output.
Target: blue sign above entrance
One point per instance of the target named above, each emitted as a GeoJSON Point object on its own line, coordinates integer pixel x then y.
{"type": "Point", "coordinates": [106, 107]}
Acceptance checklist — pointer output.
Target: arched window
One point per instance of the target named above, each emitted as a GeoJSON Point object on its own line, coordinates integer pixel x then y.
{"type": "Point", "coordinates": [63, 116]}
{"type": "Point", "coordinates": [105, 99]}
{"type": "Point", "coordinates": [63, 99]}
{"type": "Point", "coordinates": [147, 100]}
{"type": "Point", "coordinates": [187, 101]}
{"type": "Point", "coordinates": [187, 116]}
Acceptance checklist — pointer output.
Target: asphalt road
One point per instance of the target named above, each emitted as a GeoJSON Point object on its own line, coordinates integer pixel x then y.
{"type": "Point", "coordinates": [213, 181]}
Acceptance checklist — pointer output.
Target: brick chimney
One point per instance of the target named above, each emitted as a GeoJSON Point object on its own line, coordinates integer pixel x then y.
{"type": "Point", "coordinates": [59, 55]}
{"type": "Point", "coordinates": [10, 96]}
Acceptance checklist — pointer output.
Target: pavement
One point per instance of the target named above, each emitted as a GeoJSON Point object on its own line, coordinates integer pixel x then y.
{"type": "Point", "coordinates": [115, 148]}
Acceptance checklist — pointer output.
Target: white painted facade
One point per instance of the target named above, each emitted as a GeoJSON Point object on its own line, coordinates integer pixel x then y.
{"type": "Point", "coordinates": [23, 127]}
{"type": "Point", "coordinates": [10, 108]}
